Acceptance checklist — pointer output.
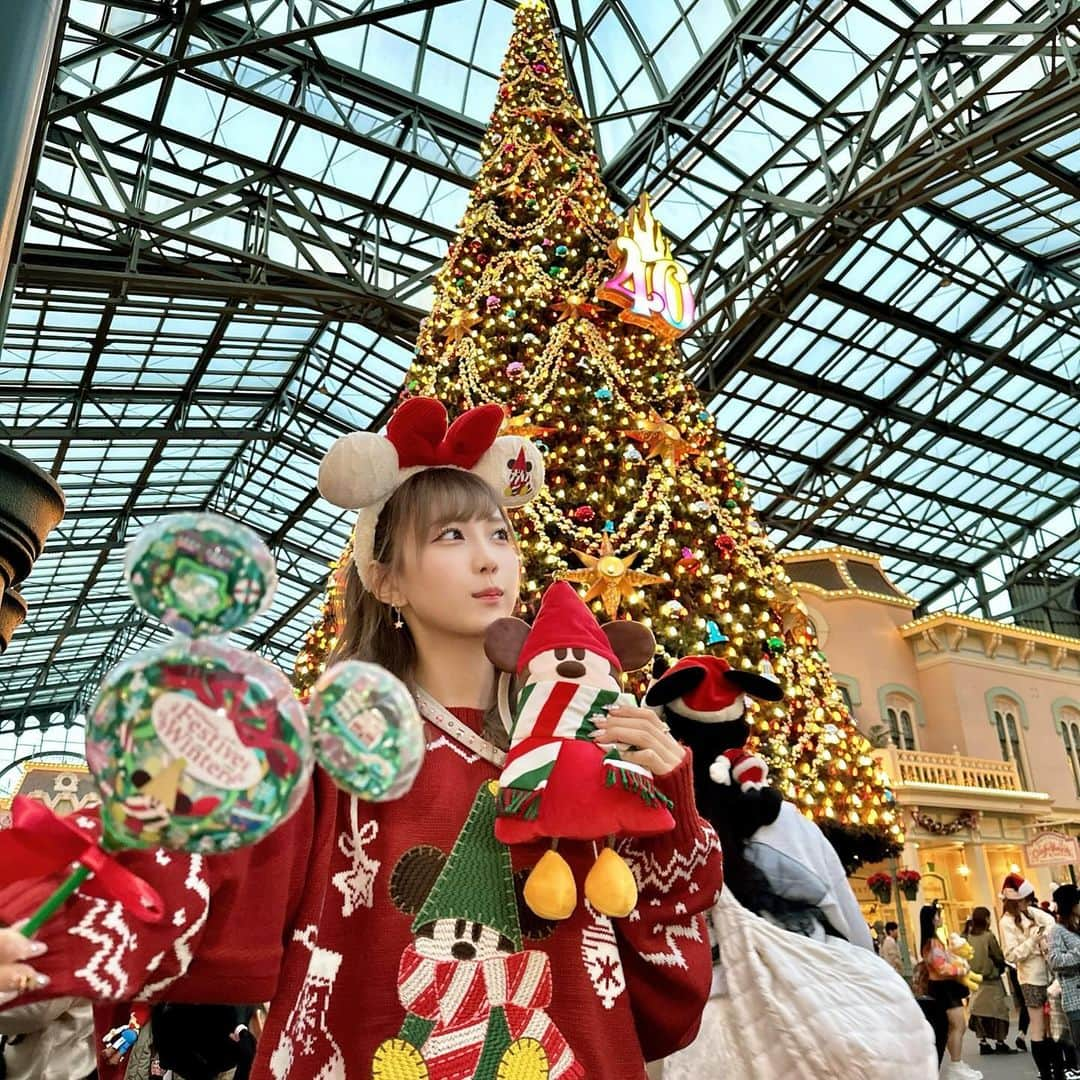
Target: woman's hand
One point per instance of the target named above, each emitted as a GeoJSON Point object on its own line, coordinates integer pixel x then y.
{"type": "Point", "coordinates": [654, 746]}
{"type": "Point", "coordinates": [16, 976]}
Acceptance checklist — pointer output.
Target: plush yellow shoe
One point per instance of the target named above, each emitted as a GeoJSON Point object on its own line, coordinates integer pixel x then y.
{"type": "Point", "coordinates": [550, 891]}
{"type": "Point", "coordinates": [396, 1059]}
{"type": "Point", "coordinates": [524, 1059]}
{"type": "Point", "coordinates": [610, 886]}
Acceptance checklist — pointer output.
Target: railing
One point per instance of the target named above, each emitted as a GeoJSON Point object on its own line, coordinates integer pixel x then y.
{"type": "Point", "coordinates": [920, 767]}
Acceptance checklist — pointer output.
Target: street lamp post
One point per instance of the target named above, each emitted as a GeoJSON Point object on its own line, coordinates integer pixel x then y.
{"type": "Point", "coordinates": [905, 948]}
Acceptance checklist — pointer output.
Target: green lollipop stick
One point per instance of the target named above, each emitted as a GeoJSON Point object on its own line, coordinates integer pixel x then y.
{"type": "Point", "coordinates": [52, 904]}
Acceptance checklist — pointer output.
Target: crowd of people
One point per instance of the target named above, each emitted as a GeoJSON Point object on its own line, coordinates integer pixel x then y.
{"type": "Point", "coordinates": [1030, 966]}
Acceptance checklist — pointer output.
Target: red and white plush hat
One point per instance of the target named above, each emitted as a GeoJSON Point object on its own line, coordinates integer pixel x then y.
{"type": "Point", "coordinates": [739, 766]}
{"type": "Point", "coordinates": [362, 470]}
{"type": "Point", "coordinates": [1016, 888]}
{"type": "Point", "coordinates": [709, 690]}
{"type": "Point", "coordinates": [565, 622]}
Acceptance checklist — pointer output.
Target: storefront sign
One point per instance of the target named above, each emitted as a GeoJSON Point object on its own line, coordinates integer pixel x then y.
{"type": "Point", "coordinates": [1052, 848]}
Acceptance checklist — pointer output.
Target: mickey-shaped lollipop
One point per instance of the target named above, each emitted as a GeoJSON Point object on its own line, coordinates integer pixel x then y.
{"type": "Point", "coordinates": [194, 745]}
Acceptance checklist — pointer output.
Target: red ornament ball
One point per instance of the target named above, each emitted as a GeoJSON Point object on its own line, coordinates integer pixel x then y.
{"type": "Point", "coordinates": [689, 562]}
{"type": "Point", "coordinates": [724, 543]}
{"type": "Point", "coordinates": [584, 514]}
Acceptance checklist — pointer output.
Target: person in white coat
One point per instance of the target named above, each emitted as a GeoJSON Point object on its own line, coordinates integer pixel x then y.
{"type": "Point", "coordinates": [48, 1040]}
{"type": "Point", "coordinates": [1025, 930]}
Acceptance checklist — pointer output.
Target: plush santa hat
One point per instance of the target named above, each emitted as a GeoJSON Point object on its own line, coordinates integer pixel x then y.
{"type": "Point", "coordinates": [362, 470]}
{"type": "Point", "coordinates": [709, 689]}
{"type": "Point", "coordinates": [565, 622]}
{"type": "Point", "coordinates": [1016, 888]}
{"type": "Point", "coordinates": [740, 767]}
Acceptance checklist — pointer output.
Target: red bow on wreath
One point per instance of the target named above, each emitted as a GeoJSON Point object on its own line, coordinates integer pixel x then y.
{"type": "Point", "coordinates": [226, 692]}
{"type": "Point", "coordinates": [39, 844]}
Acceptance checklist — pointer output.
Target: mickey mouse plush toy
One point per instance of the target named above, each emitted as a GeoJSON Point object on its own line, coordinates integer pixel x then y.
{"type": "Point", "coordinates": [558, 782]}
{"type": "Point", "coordinates": [777, 863]}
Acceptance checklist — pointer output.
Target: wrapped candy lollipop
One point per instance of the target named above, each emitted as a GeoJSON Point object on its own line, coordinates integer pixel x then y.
{"type": "Point", "coordinates": [367, 731]}
{"type": "Point", "coordinates": [194, 745]}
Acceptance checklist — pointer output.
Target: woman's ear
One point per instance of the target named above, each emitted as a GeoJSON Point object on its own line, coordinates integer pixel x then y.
{"type": "Point", "coordinates": [382, 585]}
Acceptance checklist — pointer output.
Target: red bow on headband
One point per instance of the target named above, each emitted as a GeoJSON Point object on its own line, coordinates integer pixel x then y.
{"type": "Point", "coordinates": [419, 433]}
{"type": "Point", "coordinates": [39, 843]}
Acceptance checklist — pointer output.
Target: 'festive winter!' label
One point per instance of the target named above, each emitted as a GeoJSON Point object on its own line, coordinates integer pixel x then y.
{"type": "Point", "coordinates": [206, 740]}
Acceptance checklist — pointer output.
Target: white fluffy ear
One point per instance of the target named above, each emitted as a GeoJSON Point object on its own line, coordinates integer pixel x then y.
{"type": "Point", "coordinates": [514, 467]}
{"type": "Point", "coordinates": [358, 470]}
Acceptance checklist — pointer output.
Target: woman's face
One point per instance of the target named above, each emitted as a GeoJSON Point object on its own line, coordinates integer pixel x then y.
{"type": "Point", "coordinates": [937, 918]}
{"type": "Point", "coordinates": [459, 577]}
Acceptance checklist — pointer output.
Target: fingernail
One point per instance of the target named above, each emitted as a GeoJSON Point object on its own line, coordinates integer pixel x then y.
{"type": "Point", "coordinates": [37, 948]}
{"type": "Point", "coordinates": [43, 980]}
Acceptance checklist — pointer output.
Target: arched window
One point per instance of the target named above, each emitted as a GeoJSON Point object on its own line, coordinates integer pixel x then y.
{"type": "Point", "coordinates": [1069, 718]}
{"type": "Point", "coordinates": [900, 717]}
{"type": "Point", "coordinates": [1007, 725]}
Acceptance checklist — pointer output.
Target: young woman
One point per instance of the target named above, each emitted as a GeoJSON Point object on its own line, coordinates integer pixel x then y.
{"type": "Point", "coordinates": [1063, 954]}
{"type": "Point", "coordinates": [990, 1006]}
{"type": "Point", "coordinates": [388, 936]}
{"type": "Point", "coordinates": [945, 970]}
{"type": "Point", "coordinates": [1025, 930]}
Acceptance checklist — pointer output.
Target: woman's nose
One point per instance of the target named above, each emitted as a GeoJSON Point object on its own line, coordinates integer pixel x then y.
{"type": "Point", "coordinates": [485, 556]}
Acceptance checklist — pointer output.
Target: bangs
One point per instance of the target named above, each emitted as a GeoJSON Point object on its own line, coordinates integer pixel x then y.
{"type": "Point", "coordinates": [437, 496]}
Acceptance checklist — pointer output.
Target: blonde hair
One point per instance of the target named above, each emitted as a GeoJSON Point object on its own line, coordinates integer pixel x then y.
{"type": "Point", "coordinates": [426, 499]}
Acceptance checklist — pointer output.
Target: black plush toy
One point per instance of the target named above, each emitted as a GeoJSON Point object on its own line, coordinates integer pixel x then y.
{"type": "Point", "coordinates": [777, 863]}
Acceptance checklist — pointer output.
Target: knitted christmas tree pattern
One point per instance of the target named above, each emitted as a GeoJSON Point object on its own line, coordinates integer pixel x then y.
{"type": "Point", "coordinates": [475, 1003]}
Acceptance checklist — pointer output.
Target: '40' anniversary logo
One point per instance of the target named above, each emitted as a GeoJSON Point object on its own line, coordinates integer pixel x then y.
{"type": "Point", "coordinates": [650, 286]}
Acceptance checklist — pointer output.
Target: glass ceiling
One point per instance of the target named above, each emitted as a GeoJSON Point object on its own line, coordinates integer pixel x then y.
{"type": "Point", "coordinates": [241, 203]}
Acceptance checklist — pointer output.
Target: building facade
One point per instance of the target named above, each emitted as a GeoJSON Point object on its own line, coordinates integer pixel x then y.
{"type": "Point", "coordinates": [977, 724]}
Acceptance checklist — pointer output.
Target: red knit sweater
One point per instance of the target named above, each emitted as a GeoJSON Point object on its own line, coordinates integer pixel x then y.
{"type": "Point", "coordinates": [306, 920]}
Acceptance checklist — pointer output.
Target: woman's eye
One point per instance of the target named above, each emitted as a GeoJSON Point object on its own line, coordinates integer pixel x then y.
{"type": "Point", "coordinates": [450, 534]}
{"type": "Point", "coordinates": [503, 534]}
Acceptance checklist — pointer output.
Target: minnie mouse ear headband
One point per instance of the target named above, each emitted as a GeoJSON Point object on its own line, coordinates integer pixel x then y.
{"type": "Point", "coordinates": [362, 470]}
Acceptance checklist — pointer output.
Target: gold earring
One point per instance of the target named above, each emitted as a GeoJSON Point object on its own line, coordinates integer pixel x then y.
{"type": "Point", "coordinates": [395, 614]}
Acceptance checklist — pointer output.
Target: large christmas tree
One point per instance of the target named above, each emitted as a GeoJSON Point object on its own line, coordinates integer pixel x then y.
{"type": "Point", "coordinates": [548, 304]}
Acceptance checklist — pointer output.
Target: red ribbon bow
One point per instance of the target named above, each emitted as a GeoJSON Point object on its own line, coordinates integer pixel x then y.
{"type": "Point", "coordinates": [39, 844]}
{"type": "Point", "coordinates": [419, 433]}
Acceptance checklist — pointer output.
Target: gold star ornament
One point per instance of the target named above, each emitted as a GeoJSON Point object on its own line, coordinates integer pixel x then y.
{"type": "Point", "coordinates": [609, 576]}
{"type": "Point", "coordinates": [661, 439]}
{"type": "Point", "coordinates": [461, 322]}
